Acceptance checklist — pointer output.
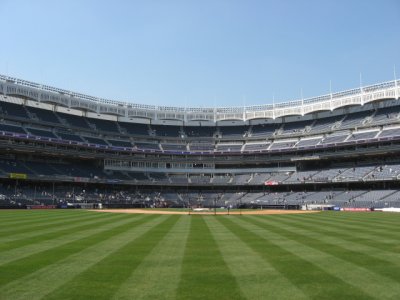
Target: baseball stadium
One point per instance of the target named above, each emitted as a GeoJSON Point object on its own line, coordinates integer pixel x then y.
{"type": "Point", "coordinates": [107, 199]}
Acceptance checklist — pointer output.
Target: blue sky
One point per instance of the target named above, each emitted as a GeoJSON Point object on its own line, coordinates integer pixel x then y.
{"type": "Point", "coordinates": [201, 53]}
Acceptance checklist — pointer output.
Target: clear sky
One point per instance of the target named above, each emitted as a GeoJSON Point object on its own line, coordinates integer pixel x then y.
{"type": "Point", "coordinates": [201, 53]}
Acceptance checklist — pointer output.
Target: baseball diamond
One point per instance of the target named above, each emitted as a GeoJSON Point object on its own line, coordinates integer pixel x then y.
{"type": "Point", "coordinates": [108, 200]}
{"type": "Point", "coordinates": [212, 150]}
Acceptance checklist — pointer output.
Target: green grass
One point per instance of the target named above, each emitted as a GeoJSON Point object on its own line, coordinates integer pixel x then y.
{"type": "Point", "coordinates": [63, 254]}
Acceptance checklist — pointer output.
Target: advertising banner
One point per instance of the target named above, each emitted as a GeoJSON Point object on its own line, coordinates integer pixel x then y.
{"type": "Point", "coordinates": [81, 179]}
{"type": "Point", "coordinates": [271, 182]}
{"type": "Point", "coordinates": [41, 206]}
{"type": "Point", "coordinates": [356, 209]}
{"type": "Point", "coordinates": [18, 175]}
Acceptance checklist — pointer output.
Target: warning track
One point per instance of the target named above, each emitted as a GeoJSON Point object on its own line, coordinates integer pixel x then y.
{"type": "Point", "coordinates": [206, 212]}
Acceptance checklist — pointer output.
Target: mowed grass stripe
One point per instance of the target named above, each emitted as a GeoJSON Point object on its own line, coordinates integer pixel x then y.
{"type": "Point", "coordinates": [301, 269]}
{"type": "Point", "coordinates": [360, 223]}
{"type": "Point", "coordinates": [386, 240]}
{"type": "Point", "coordinates": [363, 225]}
{"type": "Point", "coordinates": [11, 230]}
{"type": "Point", "coordinates": [23, 215]}
{"type": "Point", "coordinates": [36, 285]}
{"type": "Point", "coordinates": [17, 228]}
{"type": "Point", "coordinates": [31, 263]}
{"type": "Point", "coordinates": [42, 225]}
{"type": "Point", "coordinates": [334, 245]}
{"type": "Point", "coordinates": [352, 239]}
{"type": "Point", "coordinates": [102, 280]}
{"type": "Point", "coordinates": [157, 276]}
{"type": "Point", "coordinates": [256, 277]}
{"type": "Point", "coordinates": [31, 249]}
{"type": "Point", "coordinates": [344, 274]}
{"type": "Point", "coordinates": [33, 236]}
{"type": "Point", "coordinates": [375, 218]}
{"type": "Point", "coordinates": [205, 274]}
{"type": "Point", "coordinates": [27, 215]}
{"type": "Point", "coordinates": [18, 222]}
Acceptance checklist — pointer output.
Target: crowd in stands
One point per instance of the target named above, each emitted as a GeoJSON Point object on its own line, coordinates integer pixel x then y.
{"type": "Point", "coordinates": [351, 127]}
{"type": "Point", "coordinates": [371, 123]}
{"type": "Point", "coordinates": [31, 194]}
{"type": "Point", "coordinates": [78, 170]}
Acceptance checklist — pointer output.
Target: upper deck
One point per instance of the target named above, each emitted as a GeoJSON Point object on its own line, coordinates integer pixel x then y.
{"type": "Point", "coordinates": [101, 106]}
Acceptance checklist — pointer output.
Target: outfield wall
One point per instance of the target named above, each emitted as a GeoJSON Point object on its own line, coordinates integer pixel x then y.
{"type": "Point", "coordinates": [389, 209]}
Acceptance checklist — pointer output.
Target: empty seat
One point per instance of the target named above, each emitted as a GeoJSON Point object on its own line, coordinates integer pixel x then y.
{"type": "Point", "coordinates": [70, 137]}
{"type": "Point", "coordinates": [233, 131]}
{"type": "Point", "coordinates": [264, 129]}
{"type": "Point", "coordinates": [42, 133]}
{"type": "Point", "coordinates": [10, 128]}
{"type": "Point", "coordinates": [199, 131]}
{"type": "Point", "coordinates": [104, 125]}
{"type": "Point", "coordinates": [15, 110]}
{"type": "Point", "coordinates": [166, 130]}
{"type": "Point", "coordinates": [43, 114]}
{"type": "Point", "coordinates": [97, 141]}
{"type": "Point", "coordinates": [135, 128]}
{"type": "Point", "coordinates": [75, 121]}
{"type": "Point", "coordinates": [120, 143]}
{"type": "Point", "coordinates": [147, 146]}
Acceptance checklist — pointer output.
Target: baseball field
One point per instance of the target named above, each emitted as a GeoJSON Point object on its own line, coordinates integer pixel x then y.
{"type": "Point", "coordinates": [78, 254]}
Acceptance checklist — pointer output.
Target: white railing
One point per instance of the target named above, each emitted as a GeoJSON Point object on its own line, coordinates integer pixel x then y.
{"type": "Point", "coordinates": [48, 94]}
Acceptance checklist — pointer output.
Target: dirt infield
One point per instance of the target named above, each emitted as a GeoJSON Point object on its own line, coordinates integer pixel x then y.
{"type": "Point", "coordinates": [209, 212]}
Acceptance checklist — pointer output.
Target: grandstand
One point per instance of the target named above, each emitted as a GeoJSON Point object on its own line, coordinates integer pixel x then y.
{"type": "Point", "coordinates": [58, 146]}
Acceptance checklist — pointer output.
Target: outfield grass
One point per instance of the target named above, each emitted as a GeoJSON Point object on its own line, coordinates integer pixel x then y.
{"type": "Point", "coordinates": [65, 254]}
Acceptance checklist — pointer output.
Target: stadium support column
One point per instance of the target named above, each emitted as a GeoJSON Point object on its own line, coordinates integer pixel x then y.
{"type": "Point", "coordinates": [53, 193]}
{"type": "Point", "coordinates": [15, 188]}
{"type": "Point", "coordinates": [226, 203]}
{"type": "Point", "coordinates": [215, 206]}
{"type": "Point", "coordinates": [187, 194]}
